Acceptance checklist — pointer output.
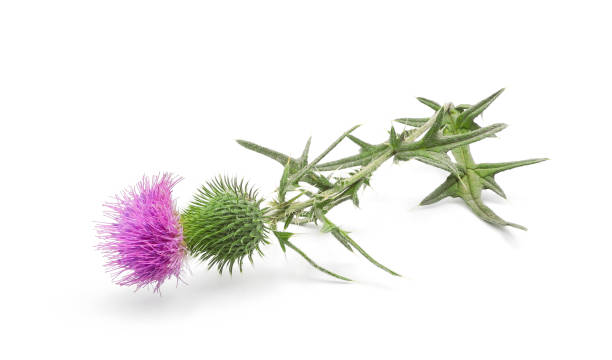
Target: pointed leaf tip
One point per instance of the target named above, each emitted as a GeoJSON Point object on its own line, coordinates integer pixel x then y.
{"type": "Point", "coordinates": [466, 119]}
{"type": "Point", "coordinates": [489, 169]}
{"type": "Point", "coordinates": [312, 263]}
{"type": "Point", "coordinates": [415, 122]}
{"type": "Point", "coordinates": [298, 176]}
{"type": "Point", "coordinates": [304, 157]}
{"type": "Point", "coordinates": [432, 104]}
{"type": "Point", "coordinates": [275, 155]}
{"type": "Point", "coordinates": [517, 226]}
{"type": "Point", "coordinates": [362, 144]}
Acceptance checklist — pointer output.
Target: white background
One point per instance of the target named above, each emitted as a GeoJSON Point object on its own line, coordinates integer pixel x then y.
{"type": "Point", "coordinates": [94, 94]}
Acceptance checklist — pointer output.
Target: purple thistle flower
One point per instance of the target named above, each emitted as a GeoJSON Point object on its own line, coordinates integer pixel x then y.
{"type": "Point", "coordinates": [144, 242]}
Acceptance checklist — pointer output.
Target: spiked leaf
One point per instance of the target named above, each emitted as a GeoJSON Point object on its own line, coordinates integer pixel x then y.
{"type": "Point", "coordinates": [416, 122]}
{"type": "Point", "coordinates": [432, 104]}
{"type": "Point", "coordinates": [292, 165]}
{"type": "Point", "coordinates": [304, 158]}
{"type": "Point", "coordinates": [467, 116]}
{"type": "Point", "coordinates": [346, 240]}
{"type": "Point", "coordinates": [441, 143]}
{"type": "Point", "coordinates": [462, 107]}
{"type": "Point", "coordinates": [315, 265]}
{"type": "Point", "coordinates": [433, 132]}
{"type": "Point", "coordinates": [329, 227]}
{"type": "Point", "coordinates": [490, 169]}
{"type": "Point", "coordinates": [433, 158]}
{"type": "Point", "coordinates": [274, 155]}
{"type": "Point", "coordinates": [472, 196]}
{"type": "Point", "coordinates": [470, 192]}
{"type": "Point", "coordinates": [282, 237]}
{"type": "Point", "coordinates": [365, 156]}
{"type": "Point", "coordinates": [284, 185]}
{"type": "Point", "coordinates": [432, 141]}
{"type": "Point", "coordinates": [359, 142]}
{"type": "Point", "coordinates": [344, 235]}
{"type": "Point", "coordinates": [394, 141]}
{"type": "Point", "coordinates": [476, 178]}
{"type": "Point", "coordinates": [298, 176]}
{"type": "Point", "coordinates": [447, 143]}
{"type": "Point", "coordinates": [488, 182]}
{"type": "Point", "coordinates": [473, 178]}
{"type": "Point", "coordinates": [446, 189]}
{"type": "Point", "coordinates": [449, 129]}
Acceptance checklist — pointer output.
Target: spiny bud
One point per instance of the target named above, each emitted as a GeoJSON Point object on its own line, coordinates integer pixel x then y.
{"type": "Point", "coordinates": [224, 223]}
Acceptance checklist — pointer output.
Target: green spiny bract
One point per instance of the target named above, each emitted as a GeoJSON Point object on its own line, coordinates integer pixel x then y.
{"type": "Point", "coordinates": [224, 223]}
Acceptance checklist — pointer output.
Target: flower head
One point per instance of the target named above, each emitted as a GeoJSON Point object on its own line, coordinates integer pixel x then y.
{"type": "Point", "coordinates": [144, 242]}
{"type": "Point", "coordinates": [224, 223]}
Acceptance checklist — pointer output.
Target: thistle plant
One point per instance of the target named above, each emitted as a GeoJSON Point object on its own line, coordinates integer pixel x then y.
{"type": "Point", "coordinates": [226, 223]}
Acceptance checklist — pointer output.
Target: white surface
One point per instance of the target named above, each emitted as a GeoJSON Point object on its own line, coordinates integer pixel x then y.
{"type": "Point", "coordinates": [95, 94]}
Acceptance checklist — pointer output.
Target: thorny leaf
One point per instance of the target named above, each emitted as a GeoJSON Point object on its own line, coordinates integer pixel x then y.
{"type": "Point", "coordinates": [449, 129]}
{"type": "Point", "coordinates": [474, 177]}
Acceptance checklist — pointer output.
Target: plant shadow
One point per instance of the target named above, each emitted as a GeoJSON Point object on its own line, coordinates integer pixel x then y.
{"type": "Point", "coordinates": [210, 290]}
{"type": "Point", "coordinates": [507, 234]}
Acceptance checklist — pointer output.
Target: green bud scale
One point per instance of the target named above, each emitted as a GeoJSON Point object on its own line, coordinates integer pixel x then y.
{"type": "Point", "coordinates": [225, 223]}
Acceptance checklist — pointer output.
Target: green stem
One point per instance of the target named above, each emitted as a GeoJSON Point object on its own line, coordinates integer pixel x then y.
{"type": "Point", "coordinates": [365, 171]}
